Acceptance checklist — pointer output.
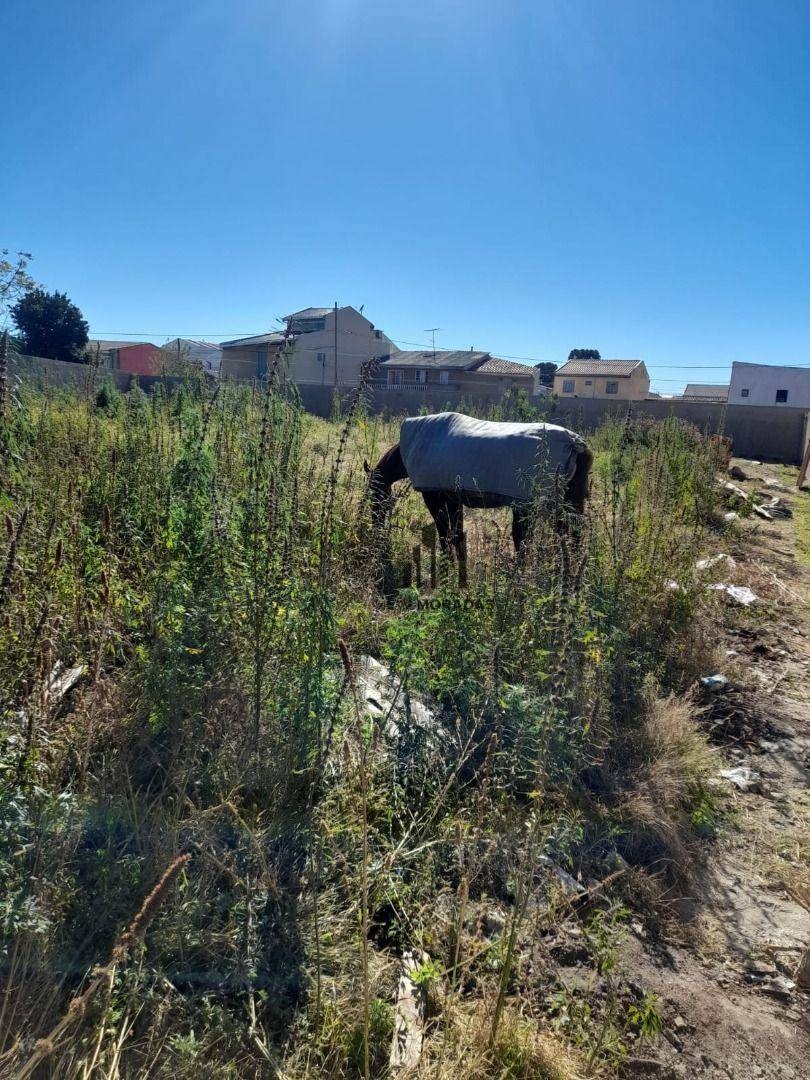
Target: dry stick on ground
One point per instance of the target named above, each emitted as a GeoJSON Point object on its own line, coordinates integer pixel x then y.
{"type": "Point", "coordinates": [804, 466]}
{"type": "Point", "coordinates": [77, 1008]}
{"type": "Point", "coordinates": [363, 751]}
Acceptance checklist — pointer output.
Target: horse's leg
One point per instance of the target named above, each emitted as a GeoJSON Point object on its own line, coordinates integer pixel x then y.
{"type": "Point", "coordinates": [459, 540]}
{"type": "Point", "coordinates": [448, 513]}
{"type": "Point", "coordinates": [436, 502]}
{"type": "Point", "coordinates": [521, 522]}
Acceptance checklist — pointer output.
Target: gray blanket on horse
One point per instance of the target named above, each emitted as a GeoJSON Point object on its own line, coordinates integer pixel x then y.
{"type": "Point", "coordinates": [452, 452]}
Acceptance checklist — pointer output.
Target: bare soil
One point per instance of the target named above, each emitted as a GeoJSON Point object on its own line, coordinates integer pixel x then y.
{"type": "Point", "coordinates": [724, 972]}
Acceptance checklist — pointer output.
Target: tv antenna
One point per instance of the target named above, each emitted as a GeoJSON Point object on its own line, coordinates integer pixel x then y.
{"type": "Point", "coordinates": [432, 331]}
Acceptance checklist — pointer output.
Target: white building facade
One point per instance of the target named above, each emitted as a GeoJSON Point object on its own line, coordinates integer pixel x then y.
{"type": "Point", "coordinates": [769, 384]}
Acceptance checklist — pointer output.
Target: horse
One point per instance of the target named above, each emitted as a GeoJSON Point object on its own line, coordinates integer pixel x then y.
{"type": "Point", "coordinates": [456, 461]}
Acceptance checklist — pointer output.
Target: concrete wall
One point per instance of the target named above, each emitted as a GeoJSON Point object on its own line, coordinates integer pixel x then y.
{"type": "Point", "coordinates": [408, 401]}
{"type": "Point", "coordinates": [41, 372]}
{"type": "Point", "coordinates": [774, 433]}
{"type": "Point", "coordinates": [765, 433]}
{"type": "Point", "coordinates": [763, 380]}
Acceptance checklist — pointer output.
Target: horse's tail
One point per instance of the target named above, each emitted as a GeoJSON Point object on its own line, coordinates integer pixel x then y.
{"type": "Point", "coordinates": [578, 485]}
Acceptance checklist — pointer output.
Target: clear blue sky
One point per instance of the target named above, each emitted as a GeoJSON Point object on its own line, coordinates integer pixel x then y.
{"type": "Point", "coordinates": [528, 175]}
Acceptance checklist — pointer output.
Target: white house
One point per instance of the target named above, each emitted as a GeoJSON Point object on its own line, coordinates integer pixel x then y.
{"type": "Point", "coordinates": [769, 384]}
{"type": "Point", "coordinates": [205, 353]}
{"type": "Point", "coordinates": [329, 348]}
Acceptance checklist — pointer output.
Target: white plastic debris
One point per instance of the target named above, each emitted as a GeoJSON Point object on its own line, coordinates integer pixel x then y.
{"type": "Point", "coordinates": [741, 594]}
{"type": "Point", "coordinates": [674, 586]}
{"type": "Point", "coordinates": [730, 516]}
{"type": "Point", "coordinates": [742, 777]}
{"type": "Point", "coordinates": [712, 560]}
{"type": "Point", "coordinates": [761, 512]}
{"type": "Point", "coordinates": [714, 683]}
{"type": "Point", "coordinates": [772, 482]}
{"type": "Point", "coordinates": [381, 695]}
{"type": "Point", "coordinates": [777, 507]}
{"type": "Point", "coordinates": [737, 492]}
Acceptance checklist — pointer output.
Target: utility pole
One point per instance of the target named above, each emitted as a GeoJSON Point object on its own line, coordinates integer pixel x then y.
{"type": "Point", "coordinates": [432, 332]}
{"type": "Point", "coordinates": [336, 358]}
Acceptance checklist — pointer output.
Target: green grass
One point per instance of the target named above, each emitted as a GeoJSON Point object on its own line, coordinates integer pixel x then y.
{"type": "Point", "coordinates": [208, 559]}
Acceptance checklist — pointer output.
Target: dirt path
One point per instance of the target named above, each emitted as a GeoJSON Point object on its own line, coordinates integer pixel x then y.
{"type": "Point", "coordinates": [726, 980]}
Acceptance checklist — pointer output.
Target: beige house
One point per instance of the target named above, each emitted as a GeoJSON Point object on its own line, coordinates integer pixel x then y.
{"type": "Point", "coordinates": [626, 380]}
{"type": "Point", "coordinates": [328, 347]}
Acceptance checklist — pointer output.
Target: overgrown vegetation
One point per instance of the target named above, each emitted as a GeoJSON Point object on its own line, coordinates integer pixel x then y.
{"type": "Point", "coordinates": [204, 556]}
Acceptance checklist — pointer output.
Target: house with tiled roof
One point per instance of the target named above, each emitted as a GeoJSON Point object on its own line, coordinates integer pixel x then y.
{"type": "Point", "coordinates": [457, 370]}
{"type": "Point", "coordinates": [625, 380]}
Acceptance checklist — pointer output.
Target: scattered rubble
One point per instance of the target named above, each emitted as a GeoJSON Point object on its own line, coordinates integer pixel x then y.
{"type": "Point", "coordinates": [713, 560]}
{"type": "Point", "coordinates": [779, 986]}
{"type": "Point", "coordinates": [772, 482]}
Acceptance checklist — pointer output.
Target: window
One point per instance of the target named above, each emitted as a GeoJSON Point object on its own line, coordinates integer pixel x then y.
{"type": "Point", "coordinates": [322, 358]}
{"type": "Point", "coordinates": [395, 376]}
{"type": "Point", "coordinates": [781, 397]}
{"type": "Point", "coordinates": [589, 382]}
{"type": "Point", "coordinates": [744, 392]}
{"type": "Point", "coordinates": [444, 377]}
{"type": "Point", "coordinates": [307, 326]}
{"type": "Point", "coordinates": [568, 386]}
{"type": "Point", "coordinates": [377, 334]}
{"type": "Point", "coordinates": [261, 363]}
{"type": "Point", "coordinates": [420, 375]}
{"type": "Point", "coordinates": [611, 387]}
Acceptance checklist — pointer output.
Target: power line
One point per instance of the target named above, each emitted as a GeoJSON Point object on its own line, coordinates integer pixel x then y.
{"type": "Point", "coordinates": [421, 346]}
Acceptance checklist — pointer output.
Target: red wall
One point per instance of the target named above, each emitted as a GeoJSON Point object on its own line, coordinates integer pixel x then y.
{"type": "Point", "coordinates": [138, 359]}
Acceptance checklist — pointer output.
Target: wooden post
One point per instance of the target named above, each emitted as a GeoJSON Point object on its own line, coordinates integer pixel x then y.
{"type": "Point", "coordinates": [433, 561]}
{"type": "Point", "coordinates": [462, 561]}
{"type": "Point", "coordinates": [805, 462]}
{"type": "Point", "coordinates": [417, 565]}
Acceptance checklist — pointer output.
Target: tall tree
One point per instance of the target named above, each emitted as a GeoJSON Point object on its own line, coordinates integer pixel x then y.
{"type": "Point", "coordinates": [584, 354]}
{"type": "Point", "coordinates": [546, 370]}
{"type": "Point", "coordinates": [14, 280]}
{"type": "Point", "coordinates": [50, 325]}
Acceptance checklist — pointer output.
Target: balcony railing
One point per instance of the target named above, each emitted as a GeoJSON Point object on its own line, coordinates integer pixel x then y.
{"type": "Point", "coordinates": [381, 384]}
